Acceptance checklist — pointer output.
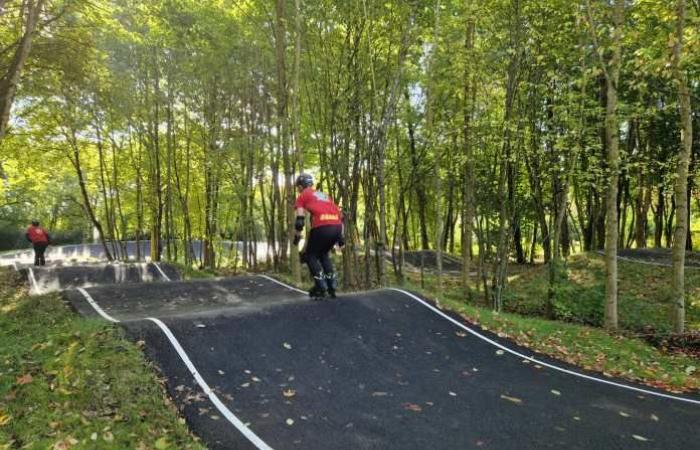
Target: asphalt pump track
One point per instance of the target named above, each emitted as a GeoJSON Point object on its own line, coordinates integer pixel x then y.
{"type": "Point", "coordinates": [59, 276]}
{"type": "Point", "coordinates": [252, 363]}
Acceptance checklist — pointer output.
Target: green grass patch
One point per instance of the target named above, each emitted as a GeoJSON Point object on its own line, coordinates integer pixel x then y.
{"type": "Point", "coordinates": [643, 297]}
{"type": "Point", "coordinates": [69, 382]}
{"type": "Point", "coordinates": [191, 273]}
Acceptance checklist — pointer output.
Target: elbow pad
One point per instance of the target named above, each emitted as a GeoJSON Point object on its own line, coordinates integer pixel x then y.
{"type": "Point", "coordinates": [299, 224]}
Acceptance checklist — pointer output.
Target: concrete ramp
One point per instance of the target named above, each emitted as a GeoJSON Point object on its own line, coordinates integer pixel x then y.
{"type": "Point", "coordinates": [61, 277]}
{"type": "Point", "coordinates": [254, 364]}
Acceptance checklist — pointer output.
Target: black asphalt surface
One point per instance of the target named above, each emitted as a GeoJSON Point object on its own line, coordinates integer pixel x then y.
{"type": "Point", "coordinates": [660, 256]}
{"type": "Point", "coordinates": [56, 277]}
{"type": "Point", "coordinates": [449, 262]}
{"type": "Point", "coordinates": [375, 370]}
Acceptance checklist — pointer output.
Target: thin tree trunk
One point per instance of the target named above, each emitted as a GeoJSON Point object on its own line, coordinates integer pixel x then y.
{"type": "Point", "coordinates": [681, 185]}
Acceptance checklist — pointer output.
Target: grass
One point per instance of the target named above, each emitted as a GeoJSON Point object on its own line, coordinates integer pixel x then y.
{"type": "Point", "coordinates": [643, 298]}
{"type": "Point", "coordinates": [68, 382]}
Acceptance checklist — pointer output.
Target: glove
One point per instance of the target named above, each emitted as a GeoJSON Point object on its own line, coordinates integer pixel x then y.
{"type": "Point", "coordinates": [341, 242]}
{"type": "Point", "coordinates": [297, 238]}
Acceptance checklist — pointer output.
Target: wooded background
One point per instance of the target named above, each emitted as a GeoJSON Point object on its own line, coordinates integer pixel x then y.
{"type": "Point", "coordinates": [499, 130]}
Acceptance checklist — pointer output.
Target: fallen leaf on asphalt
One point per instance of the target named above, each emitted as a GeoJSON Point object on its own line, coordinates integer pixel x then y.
{"type": "Point", "coordinates": [287, 346]}
{"type": "Point", "coordinates": [256, 379]}
{"type": "Point", "coordinates": [624, 414]}
{"type": "Point", "coordinates": [640, 438]}
{"type": "Point", "coordinates": [245, 385]}
{"type": "Point", "coordinates": [555, 392]}
{"type": "Point", "coordinates": [499, 352]}
{"type": "Point", "coordinates": [461, 334]}
{"type": "Point", "coordinates": [515, 400]}
{"type": "Point", "coordinates": [412, 407]}
{"type": "Point", "coordinates": [290, 422]}
{"type": "Point", "coordinates": [379, 394]}
{"type": "Point", "coordinates": [25, 379]}
{"type": "Point", "coordinates": [453, 394]}
{"type": "Point", "coordinates": [289, 393]}
{"type": "Point", "coordinates": [654, 417]}
{"type": "Point", "coordinates": [221, 372]}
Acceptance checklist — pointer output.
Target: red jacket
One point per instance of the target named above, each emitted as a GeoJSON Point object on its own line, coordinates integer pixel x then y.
{"type": "Point", "coordinates": [322, 208]}
{"type": "Point", "coordinates": [37, 235]}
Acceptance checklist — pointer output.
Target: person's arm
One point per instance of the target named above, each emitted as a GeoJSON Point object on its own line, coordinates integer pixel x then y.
{"type": "Point", "coordinates": [27, 236]}
{"type": "Point", "coordinates": [299, 224]}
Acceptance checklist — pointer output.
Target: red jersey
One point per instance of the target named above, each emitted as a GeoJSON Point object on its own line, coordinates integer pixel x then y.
{"type": "Point", "coordinates": [37, 235]}
{"type": "Point", "coordinates": [323, 210]}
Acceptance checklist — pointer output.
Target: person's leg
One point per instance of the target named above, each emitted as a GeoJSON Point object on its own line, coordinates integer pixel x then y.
{"type": "Point", "coordinates": [36, 255]}
{"type": "Point", "coordinates": [314, 252]}
{"type": "Point", "coordinates": [330, 238]}
{"type": "Point", "coordinates": [42, 253]}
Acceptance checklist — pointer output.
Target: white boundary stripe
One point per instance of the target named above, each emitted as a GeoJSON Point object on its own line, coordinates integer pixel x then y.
{"type": "Point", "coordinates": [282, 284]}
{"type": "Point", "coordinates": [247, 432]}
{"type": "Point", "coordinates": [648, 263]}
{"type": "Point", "coordinates": [97, 308]}
{"type": "Point", "coordinates": [542, 363]}
{"type": "Point", "coordinates": [235, 421]}
{"type": "Point", "coordinates": [167, 278]}
{"type": "Point", "coordinates": [32, 279]}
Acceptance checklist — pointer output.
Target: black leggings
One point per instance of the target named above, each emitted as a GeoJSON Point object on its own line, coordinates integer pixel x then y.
{"type": "Point", "coordinates": [39, 250]}
{"type": "Point", "coordinates": [321, 242]}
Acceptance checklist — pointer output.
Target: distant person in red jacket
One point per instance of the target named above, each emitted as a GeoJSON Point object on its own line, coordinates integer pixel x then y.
{"type": "Point", "coordinates": [40, 239]}
{"type": "Point", "coordinates": [326, 231]}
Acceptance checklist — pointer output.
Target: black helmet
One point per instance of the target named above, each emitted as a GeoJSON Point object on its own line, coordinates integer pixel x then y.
{"type": "Point", "coordinates": [304, 180]}
{"type": "Point", "coordinates": [35, 222]}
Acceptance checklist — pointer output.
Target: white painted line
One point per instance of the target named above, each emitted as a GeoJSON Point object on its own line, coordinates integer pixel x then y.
{"type": "Point", "coordinates": [542, 363]}
{"type": "Point", "coordinates": [167, 278]}
{"type": "Point", "coordinates": [32, 279]}
{"type": "Point", "coordinates": [97, 308]}
{"type": "Point", "coordinates": [648, 263]}
{"type": "Point", "coordinates": [230, 416]}
{"type": "Point", "coordinates": [283, 284]}
{"type": "Point", "coordinates": [247, 432]}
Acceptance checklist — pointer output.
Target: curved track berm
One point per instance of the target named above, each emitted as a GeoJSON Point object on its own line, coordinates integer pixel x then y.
{"type": "Point", "coordinates": [376, 370]}
{"type": "Point", "coordinates": [61, 276]}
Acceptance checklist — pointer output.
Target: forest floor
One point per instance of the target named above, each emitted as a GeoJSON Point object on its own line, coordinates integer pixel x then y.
{"type": "Point", "coordinates": [82, 378]}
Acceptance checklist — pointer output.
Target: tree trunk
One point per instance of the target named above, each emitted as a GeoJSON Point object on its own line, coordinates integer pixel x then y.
{"type": "Point", "coordinates": [11, 78]}
{"type": "Point", "coordinates": [681, 186]}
